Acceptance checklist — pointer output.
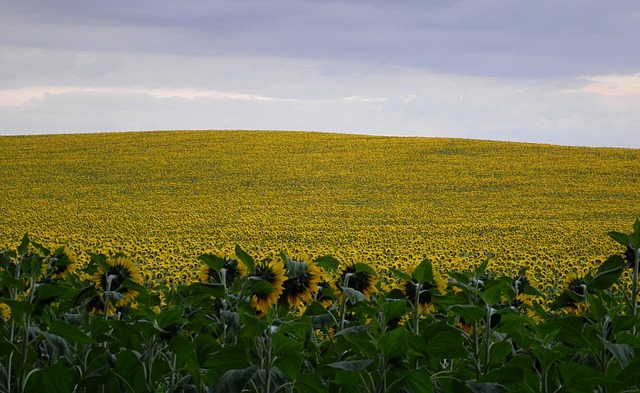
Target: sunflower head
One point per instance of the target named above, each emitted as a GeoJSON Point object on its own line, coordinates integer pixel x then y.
{"type": "Point", "coordinates": [112, 279]}
{"type": "Point", "coordinates": [302, 281]}
{"type": "Point", "coordinates": [226, 271]}
{"type": "Point", "coordinates": [358, 276]}
{"type": "Point", "coordinates": [266, 285]}
{"type": "Point", "coordinates": [5, 311]}
{"type": "Point", "coordinates": [61, 263]}
{"type": "Point", "coordinates": [424, 290]}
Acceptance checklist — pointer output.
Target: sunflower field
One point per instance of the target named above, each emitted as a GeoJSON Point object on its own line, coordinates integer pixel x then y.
{"type": "Point", "coordinates": [233, 261]}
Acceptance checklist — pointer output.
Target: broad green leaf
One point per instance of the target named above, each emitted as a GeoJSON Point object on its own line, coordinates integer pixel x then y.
{"type": "Point", "coordinates": [215, 262]}
{"type": "Point", "coordinates": [24, 245]}
{"type": "Point", "coordinates": [419, 381]}
{"type": "Point", "coordinates": [481, 270]}
{"type": "Point", "coordinates": [504, 375]}
{"type": "Point", "coordinates": [186, 353]}
{"type": "Point", "coordinates": [424, 271]}
{"type": "Point", "coordinates": [131, 369]}
{"type": "Point", "coordinates": [70, 333]}
{"type": "Point", "coordinates": [351, 365]}
{"type": "Point", "coordinates": [56, 378]}
{"type": "Point", "coordinates": [580, 378]}
{"type": "Point", "coordinates": [468, 312]}
{"type": "Point", "coordinates": [234, 381]}
{"type": "Point", "coordinates": [328, 262]}
{"type": "Point", "coordinates": [246, 258]}
{"type": "Point", "coordinates": [353, 329]}
{"type": "Point", "coordinates": [49, 291]}
{"type": "Point", "coordinates": [447, 344]}
{"type": "Point", "coordinates": [393, 343]}
{"type": "Point", "coordinates": [363, 267]}
{"type": "Point", "coordinates": [311, 383]}
{"type": "Point", "coordinates": [210, 289]}
{"type": "Point", "coordinates": [259, 285]}
{"type": "Point", "coordinates": [353, 295]}
{"type": "Point", "coordinates": [620, 237]}
{"type": "Point", "coordinates": [622, 352]}
{"type": "Point", "coordinates": [169, 317]}
{"type": "Point", "coordinates": [401, 275]}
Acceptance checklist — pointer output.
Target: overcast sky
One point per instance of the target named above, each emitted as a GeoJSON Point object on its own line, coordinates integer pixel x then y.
{"type": "Point", "coordinates": [546, 71]}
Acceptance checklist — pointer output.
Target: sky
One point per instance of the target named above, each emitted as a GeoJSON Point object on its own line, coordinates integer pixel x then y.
{"type": "Point", "coordinates": [561, 72]}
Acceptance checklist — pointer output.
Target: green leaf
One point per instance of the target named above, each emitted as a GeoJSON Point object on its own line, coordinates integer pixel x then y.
{"type": "Point", "coordinates": [70, 333]}
{"type": "Point", "coordinates": [246, 258]}
{"type": "Point", "coordinates": [622, 352]}
{"type": "Point", "coordinates": [186, 354]}
{"type": "Point", "coordinates": [353, 329]}
{"type": "Point", "coordinates": [311, 383]}
{"type": "Point", "coordinates": [24, 245]}
{"type": "Point", "coordinates": [393, 343]}
{"type": "Point", "coordinates": [504, 375]}
{"type": "Point", "coordinates": [259, 285]}
{"type": "Point", "coordinates": [215, 262]}
{"type": "Point", "coordinates": [363, 267]}
{"type": "Point", "coordinates": [468, 312]}
{"type": "Point", "coordinates": [419, 381]}
{"type": "Point", "coordinates": [169, 317]}
{"type": "Point", "coordinates": [424, 271]}
{"type": "Point", "coordinates": [49, 291]}
{"type": "Point", "coordinates": [53, 379]}
{"type": "Point", "coordinates": [210, 289]}
{"type": "Point", "coordinates": [354, 296]}
{"type": "Point", "coordinates": [620, 238]}
{"type": "Point", "coordinates": [351, 365]}
{"type": "Point", "coordinates": [447, 344]}
{"type": "Point", "coordinates": [130, 368]}
{"type": "Point", "coordinates": [580, 378]}
{"type": "Point", "coordinates": [328, 262]}
{"type": "Point", "coordinates": [400, 274]}
{"type": "Point", "coordinates": [234, 381]}
{"type": "Point", "coordinates": [481, 270]}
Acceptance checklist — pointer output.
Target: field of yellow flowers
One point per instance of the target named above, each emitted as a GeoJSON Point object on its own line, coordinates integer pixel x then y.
{"type": "Point", "coordinates": [164, 198]}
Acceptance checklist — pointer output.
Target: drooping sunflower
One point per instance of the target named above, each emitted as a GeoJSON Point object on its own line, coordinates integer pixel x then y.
{"type": "Point", "coordinates": [120, 269]}
{"type": "Point", "coordinates": [576, 287]}
{"type": "Point", "coordinates": [302, 281]}
{"type": "Point", "coordinates": [273, 272]}
{"type": "Point", "coordinates": [61, 263]}
{"type": "Point", "coordinates": [424, 291]}
{"type": "Point", "coordinates": [361, 280]}
{"type": "Point", "coordinates": [231, 270]}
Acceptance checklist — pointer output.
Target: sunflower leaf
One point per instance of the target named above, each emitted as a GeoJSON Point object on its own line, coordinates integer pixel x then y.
{"type": "Point", "coordinates": [328, 262]}
{"type": "Point", "coordinates": [351, 365]}
{"type": "Point", "coordinates": [619, 237]}
{"type": "Point", "coordinates": [246, 258]}
{"type": "Point", "coordinates": [424, 271]}
{"type": "Point", "coordinates": [400, 274]}
{"type": "Point", "coordinates": [215, 262]}
{"type": "Point", "coordinates": [259, 285]}
{"type": "Point", "coordinates": [24, 245]}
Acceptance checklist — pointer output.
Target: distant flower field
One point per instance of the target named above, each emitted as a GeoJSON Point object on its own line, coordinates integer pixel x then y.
{"type": "Point", "coordinates": [165, 198]}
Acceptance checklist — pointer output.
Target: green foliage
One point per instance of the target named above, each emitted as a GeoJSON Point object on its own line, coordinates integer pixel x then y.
{"type": "Point", "coordinates": [481, 333]}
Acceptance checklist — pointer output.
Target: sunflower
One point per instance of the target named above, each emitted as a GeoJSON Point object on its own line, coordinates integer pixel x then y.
{"type": "Point", "coordinates": [302, 282]}
{"type": "Point", "coordinates": [5, 311]}
{"type": "Point", "coordinates": [274, 273]}
{"type": "Point", "coordinates": [227, 274]}
{"type": "Point", "coordinates": [424, 291]}
{"type": "Point", "coordinates": [577, 289]}
{"type": "Point", "coordinates": [61, 263]}
{"type": "Point", "coordinates": [120, 269]}
{"type": "Point", "coordinates": [362, 281]}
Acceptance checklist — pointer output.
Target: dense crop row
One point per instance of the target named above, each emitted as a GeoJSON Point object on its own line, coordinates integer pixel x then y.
{"type": "Point", "coordinates": [286, 325]}
{"type": "Point", "coordinates": [166, 197]}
